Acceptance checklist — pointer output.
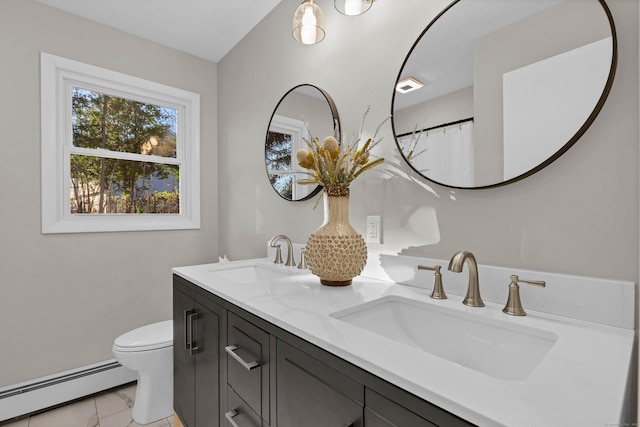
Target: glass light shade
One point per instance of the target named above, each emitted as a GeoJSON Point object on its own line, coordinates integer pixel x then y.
{"type": "Point", "coordinates": [352, 7]}
{"type": "Point", "coordinates": [308, 23]}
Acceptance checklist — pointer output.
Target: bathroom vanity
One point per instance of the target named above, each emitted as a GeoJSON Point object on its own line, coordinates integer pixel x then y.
{"type": "Point", "coordinates": [256, 344]}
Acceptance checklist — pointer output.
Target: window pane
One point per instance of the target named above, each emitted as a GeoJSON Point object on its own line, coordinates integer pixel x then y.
{"type": "Point", "coordinates": [117, 124]}
{"type": "Point", "coordinates": [278, 151]}
{"type": "Point", "coordinates": [283, 185]}
{"type": "Point", "coordinates": [112, 186]}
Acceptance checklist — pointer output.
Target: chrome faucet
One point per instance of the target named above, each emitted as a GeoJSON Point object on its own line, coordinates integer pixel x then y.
{"type": "Point", "coordinates": [473, 298]}
{"type": "Point", "coordinates": [273, 243]}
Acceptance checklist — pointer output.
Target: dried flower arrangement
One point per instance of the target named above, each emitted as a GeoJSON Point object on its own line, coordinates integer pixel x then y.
{"type": "Point", "coordinates": [335, 165]}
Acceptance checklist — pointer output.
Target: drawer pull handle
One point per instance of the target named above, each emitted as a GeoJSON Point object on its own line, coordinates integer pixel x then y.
{"type": "Point", "coordinates": [229, 416]}
{"type": "Point", "coordinates": [231, 349]}
{"type": "Point", "coordinates": [192, 345]}
{"type": "Point", "coordinates": [188, 329]}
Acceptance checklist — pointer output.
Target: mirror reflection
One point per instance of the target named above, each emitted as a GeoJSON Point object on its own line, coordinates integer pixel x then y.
{"type": "Point", "coordinates": [287, 132]}
{"type": "Point", "coordinates": [507, 87]}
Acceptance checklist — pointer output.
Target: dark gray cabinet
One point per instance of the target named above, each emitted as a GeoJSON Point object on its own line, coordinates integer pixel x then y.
{"type": "Point", "coordinates": [239, 413]}
{"type": "Point", "coordinates": [196, 356]}
{"type": "Point", "coordinates": [382, 412]}
{"type": "Point", "coordinates": [234, 369]}
{"type": "Point", "coordinates": [312, 394]}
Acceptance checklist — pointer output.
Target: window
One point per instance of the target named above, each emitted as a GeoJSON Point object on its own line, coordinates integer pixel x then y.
{"type": "Point", "coordinates": [119, 153]}
{"type": "Point", "coordinates": [284, 138]}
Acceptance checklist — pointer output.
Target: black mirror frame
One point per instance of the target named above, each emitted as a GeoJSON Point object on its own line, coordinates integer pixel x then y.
{"type": "Point", "coordinates": [557, 154]}
{"type": "Point", "coordinates": [336, 127]}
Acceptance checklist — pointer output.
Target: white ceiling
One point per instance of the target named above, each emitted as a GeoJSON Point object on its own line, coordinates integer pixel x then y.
{"type": "Point", "coordinates": [205, 28]}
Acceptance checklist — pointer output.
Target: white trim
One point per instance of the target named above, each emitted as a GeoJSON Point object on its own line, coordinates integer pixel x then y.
{"type": "Point", "coordinates": [296, 128]}
{"type": "Point", "coordinates": [52, 390]}
{"type": "Point", "coordinates": [299, 133]}
{"type": "Point", "coordinates": [57, 76]}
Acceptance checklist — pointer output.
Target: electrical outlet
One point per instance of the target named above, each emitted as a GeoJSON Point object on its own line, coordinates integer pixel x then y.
{"type": "Point", "coordinates": [374, 229]}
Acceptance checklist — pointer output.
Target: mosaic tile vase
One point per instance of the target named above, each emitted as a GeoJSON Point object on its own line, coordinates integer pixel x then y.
{"type": "Point", "coordinates": [335, 252]}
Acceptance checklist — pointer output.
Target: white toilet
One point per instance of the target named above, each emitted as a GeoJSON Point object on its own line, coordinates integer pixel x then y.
{"type": "Point", "coordinates": [149, 351]}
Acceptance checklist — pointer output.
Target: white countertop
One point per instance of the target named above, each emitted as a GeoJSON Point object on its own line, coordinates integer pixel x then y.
{"type": "Point", "coordinates": [581, 381]}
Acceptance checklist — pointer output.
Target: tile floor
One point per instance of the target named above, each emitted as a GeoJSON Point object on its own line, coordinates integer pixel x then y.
{"type": "Point", "coordinates": [111, 408]}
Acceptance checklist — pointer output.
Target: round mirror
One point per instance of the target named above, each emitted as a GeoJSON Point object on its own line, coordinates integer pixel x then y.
{"type": "Point", "coordinates": [495, 90]}
{"type": "Point", "coordinates": [302, 105]}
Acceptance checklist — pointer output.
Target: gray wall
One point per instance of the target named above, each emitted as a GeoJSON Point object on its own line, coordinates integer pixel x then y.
{"type": "Point", "coordinates": [65, 298]}
{"type": "Point", "coordinates": [577, 216]}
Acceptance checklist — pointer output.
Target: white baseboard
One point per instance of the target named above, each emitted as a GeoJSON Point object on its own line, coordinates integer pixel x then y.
{"type": "Point", "coordinates": [41, 393]}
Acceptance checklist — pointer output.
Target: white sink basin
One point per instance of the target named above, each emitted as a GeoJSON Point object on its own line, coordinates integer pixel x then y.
{"type": "Point", "coordinates": [497, 348]}
{"type": "Point", "coordinates": [253, 273]}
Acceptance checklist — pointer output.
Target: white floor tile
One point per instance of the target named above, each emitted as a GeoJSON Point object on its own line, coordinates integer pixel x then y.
{"type": "Point", "coordinates": [112, 402]}
{"type": "Point", "coordinates": [108, 409]}
{"type": "Point", "coordinates": [79, 414]}
{"type": "Point", "coordinates": [124, 419]}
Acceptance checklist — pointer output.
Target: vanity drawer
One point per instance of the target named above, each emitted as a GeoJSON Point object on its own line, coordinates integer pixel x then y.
{"type": "Point", "coordinates": [382, 412]}
{"type": "Point", "coordinates": [238, 413]}
{"type": "Point", "coordinates": [247, 351]}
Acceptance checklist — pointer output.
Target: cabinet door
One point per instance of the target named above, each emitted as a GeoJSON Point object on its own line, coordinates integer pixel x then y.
{"type": "Point", "coordinates": [184, 370]}
{"type": "Point", "coordinates": [196, 357]}
{"type": "Point", "coordinates": [382, 412]}
{"type": "Point", "coordinates": [207, 363]}
{"type": "Point", "coordinates": [312, 394]}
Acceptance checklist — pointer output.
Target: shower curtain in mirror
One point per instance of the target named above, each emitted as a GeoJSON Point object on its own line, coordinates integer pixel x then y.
{"type": "Point", "coordinates": [446, 154]}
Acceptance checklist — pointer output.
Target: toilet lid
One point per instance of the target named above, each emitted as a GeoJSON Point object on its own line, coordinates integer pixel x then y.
{"type": "Point", "coordinates": [149, 337]}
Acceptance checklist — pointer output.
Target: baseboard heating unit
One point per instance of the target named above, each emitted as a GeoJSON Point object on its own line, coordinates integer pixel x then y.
{"type": "Point", "coordinates": [32, 396]}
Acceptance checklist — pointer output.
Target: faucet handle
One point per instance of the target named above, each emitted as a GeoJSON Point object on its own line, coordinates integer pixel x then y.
{"type": "Point", "coordinates": [278, 259]}
{"type": "Point", "coordinates": [303, 259]}
{"type": "Point", "coordinates": [438, 289]}
{"type": "Point", "coordinates": [514, 305]}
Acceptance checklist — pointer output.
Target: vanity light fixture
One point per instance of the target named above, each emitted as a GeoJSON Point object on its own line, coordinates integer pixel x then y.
{"type": "Point", "coordinates": [407, 85]}
{"type": "Point", "coordinates": [352, 7]}
{"type": "Point", "coordinates": [308, 23]}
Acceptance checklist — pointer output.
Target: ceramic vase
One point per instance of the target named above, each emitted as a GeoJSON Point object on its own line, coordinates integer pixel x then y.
{"type": "Point", "coordinates": [335, 252]}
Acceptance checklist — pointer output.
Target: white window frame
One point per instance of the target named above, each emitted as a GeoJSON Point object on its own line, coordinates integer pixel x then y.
{"type": "Point", "coordinates": [58, 76]}
{"type": "Point", "coordinates": [299, 133]}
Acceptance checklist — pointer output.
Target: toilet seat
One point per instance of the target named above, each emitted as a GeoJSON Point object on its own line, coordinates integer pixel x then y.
{"type": "Point", "coordinates": [150, 337]}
